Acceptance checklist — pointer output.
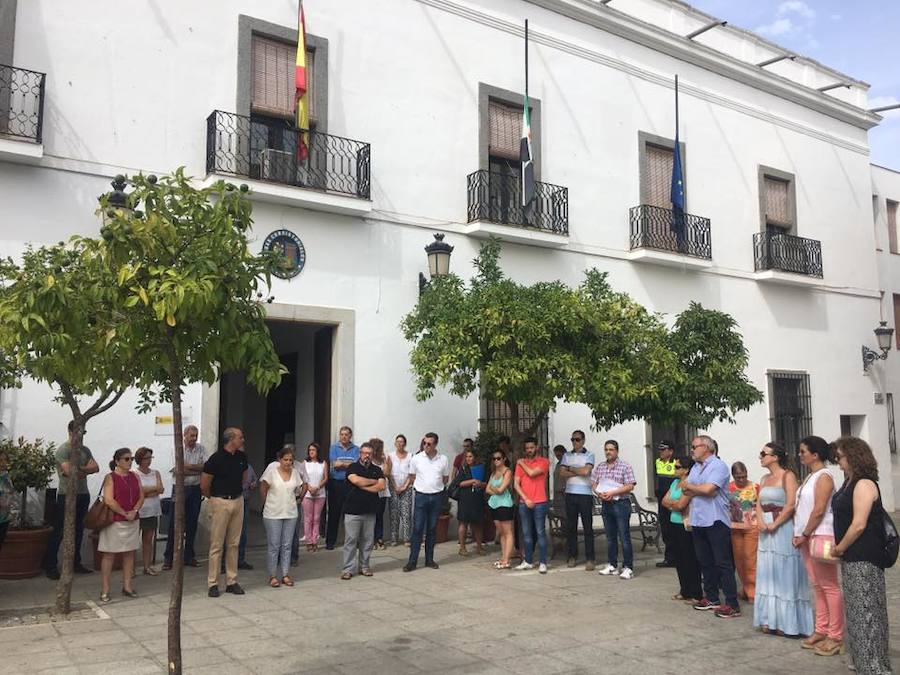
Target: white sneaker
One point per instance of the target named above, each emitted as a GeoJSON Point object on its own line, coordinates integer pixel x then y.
{"type": "Point", "coordinates": [542, 568]}
{"type": "Point", "coordinates": [524, 566]}
{"type": "Point", "coordinates": [607, 569]}
{"type": "Point", "coordinates": [627, 573]}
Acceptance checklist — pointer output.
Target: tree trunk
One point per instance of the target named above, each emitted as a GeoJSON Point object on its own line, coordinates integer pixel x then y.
{"type": "Point", "coordinates": [65, 563]}
{"type": "Point", "coordinates": [174, 632]}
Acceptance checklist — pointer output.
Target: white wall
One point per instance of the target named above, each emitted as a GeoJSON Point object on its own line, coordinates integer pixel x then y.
{"type": "Point", "coordinates": [132, 90]}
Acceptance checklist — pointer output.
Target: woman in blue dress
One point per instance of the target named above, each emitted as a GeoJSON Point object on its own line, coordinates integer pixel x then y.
{"type": "Point", "coordinates": [782, 588]}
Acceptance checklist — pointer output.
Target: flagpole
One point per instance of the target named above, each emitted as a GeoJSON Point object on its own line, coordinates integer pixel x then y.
{"type": "Point", "coordinates": [676, 108]}
{"type": "Point", "coordinates": [526, 61]}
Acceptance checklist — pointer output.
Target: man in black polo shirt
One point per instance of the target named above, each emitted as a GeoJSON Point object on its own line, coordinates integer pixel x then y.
{"type": "Point", "coordinates": [361, 503]}
{"type": "Point", "coordinates": [222, 484]}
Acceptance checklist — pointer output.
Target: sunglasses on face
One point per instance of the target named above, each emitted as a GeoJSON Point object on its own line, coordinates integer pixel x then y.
{"type": "Point", "coordinates": [765, 454]}
{"type": "Point", "coordinates": [498, 459]}
{"type": "Point", "coordinates": [699, 445]}
{"type": "Point", "coordinates": [126, 459]}
{"type": "Point", "coordinates": [577, 440]}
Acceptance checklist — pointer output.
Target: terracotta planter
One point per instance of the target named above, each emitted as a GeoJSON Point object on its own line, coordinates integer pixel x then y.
{"type": "Point", "coordinates": [22, 553]}
{"type": "Point", "coordinates": [442, 528]}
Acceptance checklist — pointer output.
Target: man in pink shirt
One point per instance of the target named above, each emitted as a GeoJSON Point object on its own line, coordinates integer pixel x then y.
{"type": "Point", "coordinates": [531, 486]}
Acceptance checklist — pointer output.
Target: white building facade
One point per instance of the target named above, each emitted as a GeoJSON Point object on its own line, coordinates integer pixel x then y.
{"type": "Point", "coordinates": [416, 108]}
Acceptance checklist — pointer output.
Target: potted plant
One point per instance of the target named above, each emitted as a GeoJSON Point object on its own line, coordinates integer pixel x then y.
{"type": "Point", "coordinates": [442, 528]}
{"type": "Point", "coordinates": [31, 465]}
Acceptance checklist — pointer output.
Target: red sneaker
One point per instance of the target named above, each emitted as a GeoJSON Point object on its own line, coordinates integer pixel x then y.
{"type": "Point", "coordinates": [705, 605]}
{"type": "Point", "coordinates": [726, 612]}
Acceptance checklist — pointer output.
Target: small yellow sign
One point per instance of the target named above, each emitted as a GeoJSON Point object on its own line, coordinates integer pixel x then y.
{"type": "Point", "coordinates": [164, 419]}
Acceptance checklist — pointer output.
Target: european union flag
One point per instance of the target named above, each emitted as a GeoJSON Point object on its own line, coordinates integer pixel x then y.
{"type": "Point", "coordinates": [677, 197]}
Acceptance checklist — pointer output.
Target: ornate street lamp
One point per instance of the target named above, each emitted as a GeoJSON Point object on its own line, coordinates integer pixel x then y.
{"type": "Point", "coordinates": [885, 336]}
{"type": "Point", "coordinates": [118, 200]}
{"type": "Point", "coordinates": [438, 260]}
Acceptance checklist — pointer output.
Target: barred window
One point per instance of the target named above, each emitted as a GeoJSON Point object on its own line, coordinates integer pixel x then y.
{"type": "Point", "coordinates": [497, 416]}
{"type": "Point", "coordinates": [790, 409]}
{"type": "Point", "coordinates": [273, 65]}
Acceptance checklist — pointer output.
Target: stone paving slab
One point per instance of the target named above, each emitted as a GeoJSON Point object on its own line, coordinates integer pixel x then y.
{"type": "Point", "coordinates": [464, 618]}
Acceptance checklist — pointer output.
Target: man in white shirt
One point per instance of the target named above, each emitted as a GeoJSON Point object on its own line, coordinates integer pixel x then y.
{"type": "Point", "coordinates": [429, 471]}
{"type": "Point", "coordinates": [194, 458]}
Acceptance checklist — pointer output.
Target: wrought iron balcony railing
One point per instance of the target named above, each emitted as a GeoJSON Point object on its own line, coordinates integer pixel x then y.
{"type": "Point", "coordinates": [664, 230]}
{"type": "Point", "coordinates": [497, 198]}
{"type": "Point", "coordinates": [21, 103]}
{"type": "Point", "coordinates": [270, 150]}
{"type": "Point", "coordinates": [787, 253]}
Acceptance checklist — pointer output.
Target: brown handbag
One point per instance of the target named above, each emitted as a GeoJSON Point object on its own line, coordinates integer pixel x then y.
{"type": "Point", "coordinates": [100, 515]}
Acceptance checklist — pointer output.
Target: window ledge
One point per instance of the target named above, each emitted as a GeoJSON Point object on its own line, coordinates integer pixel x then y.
{"type": "Point", "coordinates": [288, 195]}
{"type": "Point", "coordinates": [23, 152]}
{"type": "Point", "coordinates": [482, 229]}
{"type": "Point", "coordinates": [647, 255]}
{"type": "Point", "coordinates": [788, 278]}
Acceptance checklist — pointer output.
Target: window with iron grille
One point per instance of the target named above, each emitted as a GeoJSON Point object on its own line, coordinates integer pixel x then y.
{"type": "Point", "coordinates": [790, 410]}
{"type": "Point", "coordinates": [497, 416]}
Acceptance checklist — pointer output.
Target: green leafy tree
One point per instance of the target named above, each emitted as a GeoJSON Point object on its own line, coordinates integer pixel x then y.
{"type": "Point", "coordinates": [712, 354]}
{"type": "Point", "coordinates": [59, 324]}
{"type": "Point", "coordinates": [192, 289]}
{"type": "Point", "coordinates": [538, 344]}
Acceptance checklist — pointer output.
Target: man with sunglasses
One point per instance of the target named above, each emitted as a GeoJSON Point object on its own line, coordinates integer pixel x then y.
{"type": "Point", "coordinates": [576, 470]}
{"type": "Point", "coordinates": [707, 488]}
{"type": "Point", "coordinates": [429, 471]}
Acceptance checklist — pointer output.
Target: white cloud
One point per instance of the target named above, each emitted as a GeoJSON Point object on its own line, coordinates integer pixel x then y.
{"type": "Point", "coordinates": [796, 7]}
{"type": "Point", "coordinates": [777, 27]}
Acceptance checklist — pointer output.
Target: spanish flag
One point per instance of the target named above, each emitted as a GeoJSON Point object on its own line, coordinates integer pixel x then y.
{"type": "Point", "coordinates": [300, 80]}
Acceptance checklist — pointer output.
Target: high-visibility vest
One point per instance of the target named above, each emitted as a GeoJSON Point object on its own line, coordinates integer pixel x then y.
{"type": "Point", "coordinates": [664, 468]}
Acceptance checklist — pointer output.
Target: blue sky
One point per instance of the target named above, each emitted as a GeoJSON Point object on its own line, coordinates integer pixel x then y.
{"type": "Point", "coordinates": [859, 38]}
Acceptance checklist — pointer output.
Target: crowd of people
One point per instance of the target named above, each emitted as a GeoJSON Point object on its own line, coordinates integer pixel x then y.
{"type": "Point", "coordinates": [808, 554]}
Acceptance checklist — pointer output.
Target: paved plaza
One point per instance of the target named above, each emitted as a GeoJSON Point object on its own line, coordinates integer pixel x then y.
{"type": "Point", "coordinates": [464, 618]}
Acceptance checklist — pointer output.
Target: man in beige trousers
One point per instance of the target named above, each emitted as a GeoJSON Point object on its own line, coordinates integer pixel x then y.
{"type": "Point", "coordinates": [221, 483]}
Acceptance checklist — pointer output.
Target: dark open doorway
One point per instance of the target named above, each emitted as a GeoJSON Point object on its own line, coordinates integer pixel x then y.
{"type": "Point", "coordinates": [298, 411]}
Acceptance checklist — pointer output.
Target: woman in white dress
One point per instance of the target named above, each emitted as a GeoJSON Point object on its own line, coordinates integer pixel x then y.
{"type": "Point", "coordinates": [152, 486]}
{"type": "Point", "coordinates": [123, 495]}
{"type": "Point", "coordinates": [401, 492]}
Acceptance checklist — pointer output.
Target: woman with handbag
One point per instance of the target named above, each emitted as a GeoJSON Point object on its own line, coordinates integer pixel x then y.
{"type": "Point", "coordinates": [743, 495]}
{"type": "Point", "coordinates": [686, 565]}
{"type": "Point", "coordinates": [782, 589]}
{"type": "Point", "coordinates": [468, 491]}
{"type": "Point", "coordinates": [123, 495]}
{"type": "Point", "coordinates": [859, 532]}
{"type": "Point", "coordinates": [814, 538]}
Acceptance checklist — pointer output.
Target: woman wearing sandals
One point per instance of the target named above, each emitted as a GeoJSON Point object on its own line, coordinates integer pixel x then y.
{"type": "Point", "coordinates": [814, 537]}
{"type": "Point", "coordinates": [278, 488]}
{"type": "Point", "coordinates": [315, 473]}
{"type": "Point", "coordinates": [500, 502]}
{"type": "Point", "coordinates": [470, 501]}
{"type": "Point", "coordinates": [859, 534]}
{"type": "Point", "coordinates": [686, 565]}
{"type": "Point", "coordinates": [123, 495]}
{"type": "Point", "coordinates": [151, 484]}
{"type": "Point", "coordinates": [781, 604]}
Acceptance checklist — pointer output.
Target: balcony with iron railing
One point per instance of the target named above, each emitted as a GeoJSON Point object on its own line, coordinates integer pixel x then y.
{"type": "Point", "coordinates": [21, 113]}
{"type": "Point", "coordinates": [777, 252]}
{"type": "Point", "coordinates": [333, 172]}
{"type": "Point", "coordinates": [496, 199]}
{"type": "Point", "coordinates": [661, 236]}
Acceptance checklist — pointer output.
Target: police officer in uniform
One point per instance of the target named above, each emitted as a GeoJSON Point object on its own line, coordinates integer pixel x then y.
{"type": "Point", "coordinates": [665, 474]}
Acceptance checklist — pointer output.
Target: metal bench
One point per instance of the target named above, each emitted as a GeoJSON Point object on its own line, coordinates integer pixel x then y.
{"type": "Point", "coordinates": [647, 525]}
